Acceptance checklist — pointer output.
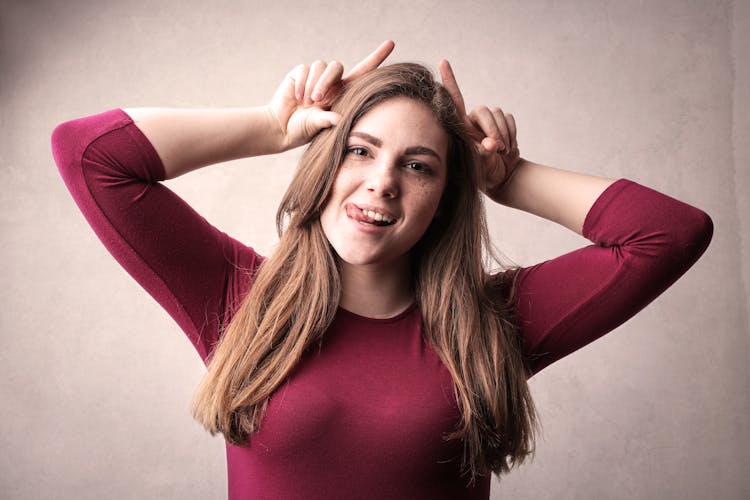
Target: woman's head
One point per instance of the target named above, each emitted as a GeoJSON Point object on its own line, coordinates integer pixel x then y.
{"type": "Point", "coordinates": [401, 106]}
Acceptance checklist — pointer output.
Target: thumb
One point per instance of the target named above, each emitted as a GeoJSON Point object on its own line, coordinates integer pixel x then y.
{"type": "Point", "coordinates": [490, 145]}
{"type": "Point", "coordinates": [318, 120]}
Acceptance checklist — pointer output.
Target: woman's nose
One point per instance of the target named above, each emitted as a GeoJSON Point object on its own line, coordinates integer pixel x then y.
{"type": "Point", "coordinates": [383, 180]}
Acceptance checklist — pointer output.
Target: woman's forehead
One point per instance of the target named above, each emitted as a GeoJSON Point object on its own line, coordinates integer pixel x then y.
{"type": "Point", "coordinates": [402, 121]}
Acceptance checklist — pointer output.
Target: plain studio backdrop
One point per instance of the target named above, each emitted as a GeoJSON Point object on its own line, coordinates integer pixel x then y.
{"type": "Point", "coordinates": [96, 379]}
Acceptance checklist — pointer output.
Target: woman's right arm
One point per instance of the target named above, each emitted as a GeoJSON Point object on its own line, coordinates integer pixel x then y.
{"type": "Point", "coordinates": [189, 139]}
{"type": "Point", "coordinates": [187, 265]}
{"type": "Point", "coordinates": [113, 162]}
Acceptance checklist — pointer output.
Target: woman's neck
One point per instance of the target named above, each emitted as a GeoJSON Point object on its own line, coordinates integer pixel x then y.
{"type": "Point", "coordinates": [376, 290]}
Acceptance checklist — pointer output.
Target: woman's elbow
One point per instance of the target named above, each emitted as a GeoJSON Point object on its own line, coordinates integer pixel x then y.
{"type": "Point", "coordinates": [703, 230]}
{"type": "Point", "coordinates": [64, 143]}
{"type": "Point", "coordinates": [695, 235]}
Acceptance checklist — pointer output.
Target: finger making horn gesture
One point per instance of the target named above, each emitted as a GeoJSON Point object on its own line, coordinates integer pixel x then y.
{"type": "Point", "coordinates": [494, 134]}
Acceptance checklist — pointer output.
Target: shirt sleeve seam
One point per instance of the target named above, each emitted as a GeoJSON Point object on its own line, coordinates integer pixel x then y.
{"type": "Point", "coordinates": [567, 320]}
{"type": "Point", "coordinates": [130, 247]}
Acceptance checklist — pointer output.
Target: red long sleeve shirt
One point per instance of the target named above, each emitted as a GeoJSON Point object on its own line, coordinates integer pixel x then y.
{"type": "Point", "coordinates": [365, 415]}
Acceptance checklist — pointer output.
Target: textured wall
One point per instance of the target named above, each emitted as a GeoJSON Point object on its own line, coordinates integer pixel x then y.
{"type": "Point", "coordinates": [96, 380]}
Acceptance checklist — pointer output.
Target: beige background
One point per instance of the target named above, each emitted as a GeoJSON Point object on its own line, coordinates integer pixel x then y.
{"type": "Point", "coordinates": [96, 379]}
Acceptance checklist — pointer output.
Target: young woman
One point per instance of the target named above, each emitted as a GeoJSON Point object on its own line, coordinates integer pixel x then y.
{"type": "Point", "coordinates": [372, 355]}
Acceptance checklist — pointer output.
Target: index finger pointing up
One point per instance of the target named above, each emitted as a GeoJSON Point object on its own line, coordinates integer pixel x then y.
{"type": "Point", "coordinates": [450, 84]}
{"type": "Point", "coordinates": [370, 62]}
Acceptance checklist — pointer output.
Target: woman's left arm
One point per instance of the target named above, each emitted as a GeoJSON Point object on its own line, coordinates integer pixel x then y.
{"type": "Point", "coordinates": [643, 241]}
{"type": "Point", "coordinates": [558, 195]}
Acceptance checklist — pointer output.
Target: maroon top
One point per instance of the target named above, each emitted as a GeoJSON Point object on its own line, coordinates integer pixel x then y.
{"type": "Point", "coordinates": [365, 415]}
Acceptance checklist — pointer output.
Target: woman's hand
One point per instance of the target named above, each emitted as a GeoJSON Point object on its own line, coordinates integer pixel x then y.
{"type": "Point", "coordinates": [301, 104]}
{"type": "Point", "coordinates": [494, 133]}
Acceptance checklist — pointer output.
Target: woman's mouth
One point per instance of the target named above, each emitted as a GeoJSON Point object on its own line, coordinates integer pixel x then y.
{"type": "Point", "coordinates": [368, 216]}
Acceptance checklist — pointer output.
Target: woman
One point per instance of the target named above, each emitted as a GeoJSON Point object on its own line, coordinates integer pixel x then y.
{"type": "Point", "coordinates": [371, 355]}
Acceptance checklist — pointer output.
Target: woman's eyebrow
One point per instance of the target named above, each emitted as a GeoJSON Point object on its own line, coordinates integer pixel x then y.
{"type": "Point", "coordinates": [369, 138]}
{"type": "Point", "coordinates": [422, 150]}
{"type": "Point", "coordinates": [413, 150]}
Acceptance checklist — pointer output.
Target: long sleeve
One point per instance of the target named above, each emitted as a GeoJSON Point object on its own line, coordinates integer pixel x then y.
{"type": "Point", "coordinates": [643, 241]}
{"type": "Point", "coordinates": [196, 272]}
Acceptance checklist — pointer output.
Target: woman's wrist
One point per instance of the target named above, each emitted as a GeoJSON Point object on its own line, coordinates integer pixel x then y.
{"type": "Point", "coordinates": [264, 133]}
{"type": "Point", "coordinates": [503, 192]}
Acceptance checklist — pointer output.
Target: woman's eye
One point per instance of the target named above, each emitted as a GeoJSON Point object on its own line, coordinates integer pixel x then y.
{"type": "Point", "coordinates": [418, 166]}
{"type": "Point", "coordinates": [357, 151]}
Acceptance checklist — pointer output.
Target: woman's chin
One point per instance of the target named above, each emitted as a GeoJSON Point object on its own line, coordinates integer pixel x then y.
{"type": "Point", "coordinates": [370, 260]}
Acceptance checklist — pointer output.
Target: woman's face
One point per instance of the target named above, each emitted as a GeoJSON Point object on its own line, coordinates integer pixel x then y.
{"type": "Point", "coordinates": [389, 185]}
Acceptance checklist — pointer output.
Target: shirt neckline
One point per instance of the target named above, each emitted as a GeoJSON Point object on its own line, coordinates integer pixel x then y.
{"type": "Point", "coordinates": [406, 312]}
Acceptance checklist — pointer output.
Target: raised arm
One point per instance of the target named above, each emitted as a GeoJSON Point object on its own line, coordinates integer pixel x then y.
{"type": "Point", "coordinates": [112, 164]}
{"type": "Point", "coordinates": [558, 195]}
{"type": "Point", "coordinates": [643, 241]}
{"type": "Point", "coordinates": [189, 267]}
{"type": "Point", "coordinates": [190, 139]}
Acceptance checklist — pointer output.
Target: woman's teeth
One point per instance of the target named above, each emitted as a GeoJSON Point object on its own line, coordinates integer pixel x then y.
{"type": "Point", "coordinates": [377, 216]}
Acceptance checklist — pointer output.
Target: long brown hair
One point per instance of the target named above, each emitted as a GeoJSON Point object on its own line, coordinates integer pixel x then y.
{"type": "Point", "coordinates": [466, 313]}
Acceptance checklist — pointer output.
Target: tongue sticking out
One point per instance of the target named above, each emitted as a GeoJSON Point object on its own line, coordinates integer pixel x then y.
{"type": "Point", "coordinates": [356, 214]}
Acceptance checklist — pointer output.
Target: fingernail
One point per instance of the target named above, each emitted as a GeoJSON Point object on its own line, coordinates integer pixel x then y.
{"type": "Point", "coordinates": [316, 96]}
